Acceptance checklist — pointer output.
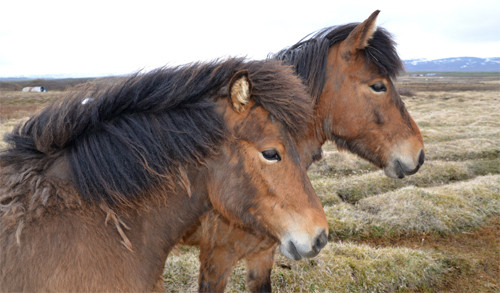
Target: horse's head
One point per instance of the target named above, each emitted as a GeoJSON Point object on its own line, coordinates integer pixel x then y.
{"type": "Point", "coordinates": [364, 112]}
{"type": "Point", "coordinates": [258, 181]}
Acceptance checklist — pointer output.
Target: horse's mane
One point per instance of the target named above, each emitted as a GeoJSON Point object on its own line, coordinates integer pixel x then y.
{"type": "Point", "coordinates": [309, 55]}
{"type": "Point", "coordinates": [128, 138]}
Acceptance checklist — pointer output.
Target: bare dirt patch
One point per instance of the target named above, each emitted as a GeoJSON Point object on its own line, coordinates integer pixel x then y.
{"type": "Point", "coordinates": [474, 256]}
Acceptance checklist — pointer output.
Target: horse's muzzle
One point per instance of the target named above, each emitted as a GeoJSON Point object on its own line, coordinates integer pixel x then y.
{"type": "Point", "coordinates": [296, 249]}
{"type": "Point", "coordinates": [400, 168]}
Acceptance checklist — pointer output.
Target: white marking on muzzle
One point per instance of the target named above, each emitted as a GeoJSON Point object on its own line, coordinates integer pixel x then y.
{"type": "Point", "coordinates": [296, 245]}
{"type": "Point", "coordinates": [402, 161]}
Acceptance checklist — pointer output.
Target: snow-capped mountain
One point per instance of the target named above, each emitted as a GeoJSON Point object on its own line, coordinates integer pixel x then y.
{"type": "Point", "coordinates": [457, 64]}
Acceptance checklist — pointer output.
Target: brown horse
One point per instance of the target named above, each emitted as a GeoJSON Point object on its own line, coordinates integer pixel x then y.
{"type": "Point", "coordinates": [97, 188]}
{"type": "Point", "coordinates": [348, 70]}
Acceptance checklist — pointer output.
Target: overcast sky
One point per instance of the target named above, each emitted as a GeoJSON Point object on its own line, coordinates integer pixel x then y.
{"type": "Point", "coordinates": [95, 38]}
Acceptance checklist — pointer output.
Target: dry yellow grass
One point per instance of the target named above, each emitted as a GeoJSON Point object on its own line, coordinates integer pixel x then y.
{"type": "Point", "coordinates": [341, 267]}
{"type": "Point", "coordinates": [441, 209]}
{"type": "Point", "coordinates": [355, 187]}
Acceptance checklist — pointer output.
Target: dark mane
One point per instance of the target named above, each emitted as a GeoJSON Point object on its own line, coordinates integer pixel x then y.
{"type": "Point", "coordinates": [127, 138]}
{"type": "Point", "coordinates": [309, 55]}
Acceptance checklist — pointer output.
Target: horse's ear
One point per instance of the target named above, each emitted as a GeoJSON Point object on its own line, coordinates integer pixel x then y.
{"type": "Point", "coordinates": [240, 90]}
{"type": "Point", "coordinates": [361, 34]}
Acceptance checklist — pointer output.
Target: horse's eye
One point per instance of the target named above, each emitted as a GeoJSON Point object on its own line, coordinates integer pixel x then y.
{"type": "Point", "coordinates": [379, 87]}
{"type": "Point", "coordinates": [271, 155]}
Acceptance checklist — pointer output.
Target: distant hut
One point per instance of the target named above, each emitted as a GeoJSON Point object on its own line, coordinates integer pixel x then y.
{"type": "Point", "coordinates": [35, 89]}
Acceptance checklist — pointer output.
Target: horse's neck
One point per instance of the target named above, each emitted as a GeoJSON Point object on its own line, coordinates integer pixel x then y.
{"type": "Point", "coordinates": [310, 147]}
{"type": "Point", "coordinates": [161, 226]}
{"type": "Point", "coordinates": [160, 222]}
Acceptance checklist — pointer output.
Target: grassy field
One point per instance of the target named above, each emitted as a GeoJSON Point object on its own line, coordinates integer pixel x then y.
{"type": "Point", "coordinates": [435, 231]}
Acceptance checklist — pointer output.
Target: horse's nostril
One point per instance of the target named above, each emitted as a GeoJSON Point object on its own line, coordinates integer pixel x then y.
{"type": "Point", "coordinates": [293, 251]}
{"type": "Point", "coordinates": [321, 241]}
{"type": "Point", "coordinates": [421, 158]}
{"type": "Point", "coordinates": [400, 171]}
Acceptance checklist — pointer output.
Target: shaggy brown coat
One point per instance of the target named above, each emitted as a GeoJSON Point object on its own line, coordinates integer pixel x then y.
{"type": "Point", "coordinates": [97, 188]}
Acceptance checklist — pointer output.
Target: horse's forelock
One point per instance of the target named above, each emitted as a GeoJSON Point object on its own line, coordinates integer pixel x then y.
{"type": "Point", "coordinates": [282, 94]}
{"type": "Point", "coordinates": [381, 50]}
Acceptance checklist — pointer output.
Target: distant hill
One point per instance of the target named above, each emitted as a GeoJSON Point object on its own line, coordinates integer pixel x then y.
{"type": "Point", "coordinates": [458, 64]}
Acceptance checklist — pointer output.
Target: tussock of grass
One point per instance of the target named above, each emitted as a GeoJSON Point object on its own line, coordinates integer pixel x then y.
{"type": "Point", "coordinates": [346, 267]}
{"type": "Point", "coordinates": [353, 188]}
{"type": "Point", "coordinates": [485, 167]}
{"type": "Point", "coordinates": [441, 209]}
{"type": "Point", "coordinates": [338, 164]}
{"type": "Point", "coordinates": [327, 191]}
{"type": "Point", "coordinates": [340, 267]}
{"type": "Point", "coordinates": [458, 132]}
{"type": "Point", "coordinates": [464, 149]}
